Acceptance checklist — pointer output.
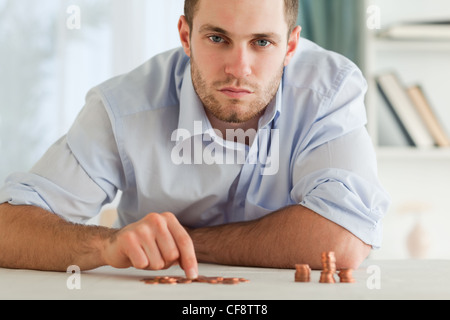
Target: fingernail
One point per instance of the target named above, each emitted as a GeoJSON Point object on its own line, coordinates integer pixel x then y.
{"type": "Point", "coordinates": [192, 274]}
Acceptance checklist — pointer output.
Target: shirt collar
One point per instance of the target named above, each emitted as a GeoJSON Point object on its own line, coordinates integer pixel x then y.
{"type": "Point", "coordinates": [193, 118]}
{"type": "Point", "coordinates": [273, 110]}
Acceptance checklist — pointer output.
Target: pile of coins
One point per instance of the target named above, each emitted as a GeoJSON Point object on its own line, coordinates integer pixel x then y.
{"type": "Point", "coordinates": [346, 276]}
{"type": "Point", "coordinates": [302, 273]}
{"type": "Point", "coordinates": [200, 279]}
{"type": "Point", "coordinates": [328, 268]}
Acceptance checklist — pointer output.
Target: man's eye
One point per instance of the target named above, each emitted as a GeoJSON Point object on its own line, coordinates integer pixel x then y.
{"type": "Point", "coordinates": [216, 39]}
{"type": "Point", "coordinates": [263, 43]}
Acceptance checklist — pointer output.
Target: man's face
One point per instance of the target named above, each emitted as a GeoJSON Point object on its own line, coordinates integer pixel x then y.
{"type": "Point", "coordinates": [238, 53]}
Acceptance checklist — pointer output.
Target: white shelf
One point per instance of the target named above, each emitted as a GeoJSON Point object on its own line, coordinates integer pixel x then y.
{"type": "Point", "coordinates": [399, 45]}
{"type": "Point", "coordinates": [411, 153]}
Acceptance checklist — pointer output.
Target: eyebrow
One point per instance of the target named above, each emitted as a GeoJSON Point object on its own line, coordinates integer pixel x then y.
{"type": "Point", "coordinates": [211, 28]}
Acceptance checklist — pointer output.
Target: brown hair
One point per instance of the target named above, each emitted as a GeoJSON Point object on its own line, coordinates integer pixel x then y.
{"type": "Point", "coordinates": [291, 10]}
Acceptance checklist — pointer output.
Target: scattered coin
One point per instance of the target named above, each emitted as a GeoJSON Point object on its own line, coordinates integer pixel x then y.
{"type": "Point", "coordinates": [200, 279]}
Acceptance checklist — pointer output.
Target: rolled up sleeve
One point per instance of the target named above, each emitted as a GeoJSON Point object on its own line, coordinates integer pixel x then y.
{"type": "Point", "coordinates": [346, 199]}
{"type": "Point", "coordinates": [335, 171]}
{"type": "Point", "coordinates": [78, 174]}
{"type": "Point", "coordinates": [338, 180]}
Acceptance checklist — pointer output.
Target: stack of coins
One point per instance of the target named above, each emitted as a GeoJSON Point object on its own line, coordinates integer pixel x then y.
{"type": "Point", "coordinates": [302, 273]}
{"type": "Point", "coordinates": [346, 276]}
{"type": "Point", "coordinates": [200, 279]}
{"type": "Point", "coordinates": [329, 268]}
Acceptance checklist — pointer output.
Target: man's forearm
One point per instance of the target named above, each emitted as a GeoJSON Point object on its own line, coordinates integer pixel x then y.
{"type": "Point", "coordinates": [280, 240]}
{"type": "Point", "coordinates": [32, 238]}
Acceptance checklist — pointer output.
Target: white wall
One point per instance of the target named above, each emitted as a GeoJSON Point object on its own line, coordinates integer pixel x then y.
{"type": "Point", "coordinates": [420, 190]}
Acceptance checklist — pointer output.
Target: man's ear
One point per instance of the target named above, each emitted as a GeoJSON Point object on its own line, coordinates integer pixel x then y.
{"type": "Point", "coordinates": [185, 32]}
{"type": "Point", "coordinates": [293, 42]}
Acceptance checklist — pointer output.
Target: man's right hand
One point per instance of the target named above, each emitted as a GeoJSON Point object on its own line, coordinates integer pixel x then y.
{"type": "Point", "coordinates": [156, 242]}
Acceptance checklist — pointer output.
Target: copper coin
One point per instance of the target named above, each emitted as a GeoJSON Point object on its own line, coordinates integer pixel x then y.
{"type": "Point", "coordinates": [184, 281]}
{"type": "Point", "coordinates": [327, 277]}
{"type": "Point", "coordinates": [200, 279]}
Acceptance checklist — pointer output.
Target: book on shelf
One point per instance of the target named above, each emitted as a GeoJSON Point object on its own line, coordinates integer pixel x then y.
{"type": "Point", "coordinates": [405, 113]}
{"type": "Point", "coordinates": [423, 107]}
{"type": "Point", "coordinates": [431, 30]}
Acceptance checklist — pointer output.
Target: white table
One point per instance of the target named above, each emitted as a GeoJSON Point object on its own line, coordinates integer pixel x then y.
{"type": "Point", "coordinates": [402, 279]}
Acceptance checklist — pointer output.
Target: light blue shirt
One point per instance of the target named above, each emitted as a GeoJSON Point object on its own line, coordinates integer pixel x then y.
{"type": "Point", "coordinates": [146, 134]}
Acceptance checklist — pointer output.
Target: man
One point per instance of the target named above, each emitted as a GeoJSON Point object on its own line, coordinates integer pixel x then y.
{"type": "Point", "coordinates": [245, 147]}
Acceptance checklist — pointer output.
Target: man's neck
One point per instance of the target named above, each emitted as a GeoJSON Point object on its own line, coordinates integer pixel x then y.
{"type": "Point", "coordinates": [223, 126]}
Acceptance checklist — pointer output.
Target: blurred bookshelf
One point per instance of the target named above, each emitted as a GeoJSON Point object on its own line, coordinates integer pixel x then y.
{"type": "Point", "coordinates": [410, 52]}
{"type": "Point", "coordinates": [408, 57]}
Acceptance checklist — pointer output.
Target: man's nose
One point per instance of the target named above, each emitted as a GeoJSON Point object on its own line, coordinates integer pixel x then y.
{"type": "Point", "coordinates": [238, 62]}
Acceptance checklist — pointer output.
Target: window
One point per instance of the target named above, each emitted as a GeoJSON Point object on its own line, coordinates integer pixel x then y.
{"type": "Point", "coordinates": [52, 52]}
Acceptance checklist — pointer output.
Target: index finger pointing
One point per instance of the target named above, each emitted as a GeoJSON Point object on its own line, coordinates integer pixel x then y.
{"type": "Point", "coordinates": [188, 259]}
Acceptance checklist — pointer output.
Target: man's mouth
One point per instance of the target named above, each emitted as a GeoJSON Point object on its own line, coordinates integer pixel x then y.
{"type": "Point", "coordinates": [235, 92]}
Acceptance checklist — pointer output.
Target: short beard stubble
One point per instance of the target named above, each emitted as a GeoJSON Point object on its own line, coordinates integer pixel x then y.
{"type": "Point", "coordinates": [256, 108]}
